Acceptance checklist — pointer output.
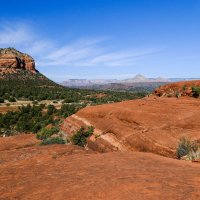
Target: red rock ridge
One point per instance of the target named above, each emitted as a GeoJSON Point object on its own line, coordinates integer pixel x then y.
{"type": "Point", "coordinates": [177, 89]}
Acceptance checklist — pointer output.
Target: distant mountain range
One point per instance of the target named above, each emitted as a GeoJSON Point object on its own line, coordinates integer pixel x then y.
{"type": "Point", "coordinates": [137, 81]}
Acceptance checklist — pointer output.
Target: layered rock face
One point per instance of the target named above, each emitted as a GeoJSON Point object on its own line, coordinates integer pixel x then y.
{"type": "Point", "coordinates": [151, 124]}
{"type": "Point", "coordinates": [12, 61]}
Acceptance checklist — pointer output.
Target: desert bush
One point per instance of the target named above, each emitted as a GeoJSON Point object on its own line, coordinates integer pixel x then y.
{"type": "Point", "coordinates": [193, 155]}
{"type": "Point", "coordinates": [178, 94]}
{"type": "Point", "coordinates": [185, 146]}
{"type": "Point", "coordinates": [46, 133]}
{"type": "Point", "coordinates": [80, 137]}
{"type": "Point", "coordinates": [51, 109]}
{"type": "Point", "coordinates": [196, 92]}
{"type": "Point", "coordinates": [53, 140]}
{"type": "Point", "coordinates": [184, 87]}
{"type": "Point", "coordinates": [12, 99]}
{"type": "Point", "coordinates": [1, 100]}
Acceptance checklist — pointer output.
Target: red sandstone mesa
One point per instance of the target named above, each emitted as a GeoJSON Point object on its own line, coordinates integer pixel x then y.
{"type": "Point", "coordinates": [12, 60]}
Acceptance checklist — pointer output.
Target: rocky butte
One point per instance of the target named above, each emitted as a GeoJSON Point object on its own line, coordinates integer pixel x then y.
{"type": "Point", "coordinates": [13, 61]}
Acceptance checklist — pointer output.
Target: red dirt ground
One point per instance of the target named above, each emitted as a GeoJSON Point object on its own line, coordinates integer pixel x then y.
{"type": "Point", "coordinates": [29, 171]}
{"type": "Point", "coordinates": [18, 142]}
{"type": "Point", "coordinates": [58, 172]}
{"type": "Point", "coordinates": [4, 109]}
{"type": "Point", "coordinates": [151, 124]}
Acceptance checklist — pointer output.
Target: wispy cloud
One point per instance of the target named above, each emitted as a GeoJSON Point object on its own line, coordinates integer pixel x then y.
{"type": "Point", "coordinates": [82, 52]}
{"type": "Point", "coordinates": [14, 34]}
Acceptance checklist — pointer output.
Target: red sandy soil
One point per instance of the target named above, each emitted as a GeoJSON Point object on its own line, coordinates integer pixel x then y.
{"type": "Point", "coordinates": [29, 171]}
{"type": "Point", "coordinates": [18, 142]}
{"type": "Point", "coordinates": [178, 88]}
{"type": "Point", "coordinates": [58, 172]}
{"type": "Point", "coordinates": [4, 109]}
{"type": "Point", "coordinates": [153, 124]}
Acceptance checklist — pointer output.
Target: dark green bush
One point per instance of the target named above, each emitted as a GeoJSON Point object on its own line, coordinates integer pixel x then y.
{"type": "Point", "coordinates": [53, 140]}
{"type": "Point", "coordinates": [185, 146]}
{"type": "Point", "coordinates": [31, 98]}
{"type": "Point", "coordinates": [1, 100]}
{"type": "Point", "coordinates": [46, 133]}
{"type": "Point", "coordinates": [68, 109]}
{"type": "Point", "coordinates": [51, 109]}
{"type": "Point", "coordinates": [196, 92]}
{"type": "Point", "coordinates": [80, 137]}
{"type": "Point", "coordinates": [27, 119]}
{"type": "Point", "coordinates": [12, 99]}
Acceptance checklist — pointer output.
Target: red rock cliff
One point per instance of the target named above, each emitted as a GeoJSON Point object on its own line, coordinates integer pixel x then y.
{"type": "Point", "coordinates": [12, 61]}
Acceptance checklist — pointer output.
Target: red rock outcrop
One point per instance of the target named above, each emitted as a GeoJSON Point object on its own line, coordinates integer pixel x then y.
{"type": "Point", "coordinates": [151, 124]}
{"type": "Point", "coordinates": [12, 61]}
{"type": "Point", "coordinates": [177, 89]}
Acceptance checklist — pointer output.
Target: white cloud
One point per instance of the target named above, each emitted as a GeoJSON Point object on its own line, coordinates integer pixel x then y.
{"type": "Point", "coordinates": [83, 52]}
{"type": "Point", "coordinates": [14, 34]}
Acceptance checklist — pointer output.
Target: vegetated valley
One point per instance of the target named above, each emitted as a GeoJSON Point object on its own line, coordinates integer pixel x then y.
{"type": "Point", "coordinates": [31, 103]}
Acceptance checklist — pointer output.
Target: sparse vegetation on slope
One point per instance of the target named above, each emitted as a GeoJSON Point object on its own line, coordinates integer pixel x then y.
{"type": "Point", "coordinates": [53, 140]}
{"type": "Point", "coordinates": [46, 133]}
{"type": "Point", "coordinates": [188, 149]}
{"type": "Point", "coordinates": [187, 88]}
{"type": "Point", "coordinates": [80, 137]}
{"type": "Point", "coordinates": [196, 92]}
{"type": "Point", "coordinates": [27, 86]}
{"type": "Point", "coordinates": [34, 119]}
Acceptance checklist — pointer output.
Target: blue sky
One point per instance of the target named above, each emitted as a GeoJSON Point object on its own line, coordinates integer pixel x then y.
{"type": "Point", "coordinates": [105, 38]}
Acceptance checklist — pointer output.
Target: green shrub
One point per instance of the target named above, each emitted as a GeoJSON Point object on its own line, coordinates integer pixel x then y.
{"type": "Point", "coordinates": [185, 146]}
{"type": "Point", "coordinates": [68, 109]}
{"type": "Point", "coordinates": [178, 94]}
{"type": "Point", "coordinates": [30, 98]}
{"type": "Point", "coordinates": [12, 99]}
{"type": "Point", "coordinates": [46, 133]}
{"type": "Point", "coordinates": [80, 137]}
{"type": "Point", "coordinates": [1, 100]}
{"type": "Point", "coordinates": [196, 92]}
{"type": "Point", "coordinates": [184, 87]}
{"type": "Point", "coordinates": [51, 109]}
{"type": "Point", "coordinates": [53, 140]}
{"type": "Point", "coordinates": [193, 155]}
